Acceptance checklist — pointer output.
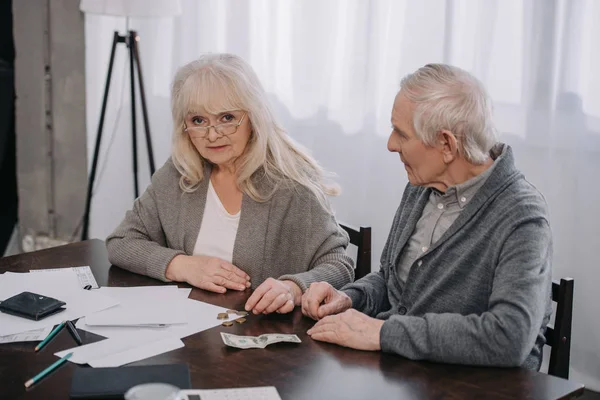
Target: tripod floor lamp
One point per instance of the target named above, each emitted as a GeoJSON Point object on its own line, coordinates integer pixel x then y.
{"type": "Point", "coordinates": [125, 8]}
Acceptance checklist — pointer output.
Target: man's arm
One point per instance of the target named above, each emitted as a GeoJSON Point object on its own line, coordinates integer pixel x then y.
{"type": "Point", "coordinates": [506, 333]}
{"type": "Point", "coordinates": [369, 294]}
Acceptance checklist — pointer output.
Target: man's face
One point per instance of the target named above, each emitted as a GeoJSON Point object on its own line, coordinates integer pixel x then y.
{"type": "Point", "coordinates": [424, 165]}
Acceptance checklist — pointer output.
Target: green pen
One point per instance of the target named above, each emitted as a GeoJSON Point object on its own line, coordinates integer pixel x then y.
{"type": "Point", "coordinates": [48, 370]}
{"type": "Point", "coordinates": [50, 336]}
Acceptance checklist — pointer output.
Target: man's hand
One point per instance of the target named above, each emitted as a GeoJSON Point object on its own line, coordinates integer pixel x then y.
{"type": "Point", "coordinates": [350, 329]}
{"type": "Point", "coordinates": [321, 299]}
{"type": "Point", "coordinates": [274, 296]}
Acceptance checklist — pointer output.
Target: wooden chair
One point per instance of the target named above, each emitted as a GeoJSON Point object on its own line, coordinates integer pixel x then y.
{"type": "Point", "coordinates": [362, 240]}
{"type": "Point", "coordinates": [559, 336]}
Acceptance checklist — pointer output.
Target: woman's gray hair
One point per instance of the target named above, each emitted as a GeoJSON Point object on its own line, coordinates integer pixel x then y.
{"type": "Point", "coordinates": [225, 82]}
{"type": "Point", "coordinates": [447, 97]}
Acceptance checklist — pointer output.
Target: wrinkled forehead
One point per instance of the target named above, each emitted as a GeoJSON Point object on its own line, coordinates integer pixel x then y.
{"type": "Point", "coordinates": [402, 110]}
{"type": "Point", "coordinates": [207, 92]}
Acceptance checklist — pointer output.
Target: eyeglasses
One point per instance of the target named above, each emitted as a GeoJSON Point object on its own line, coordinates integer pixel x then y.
{"type": "Point", "coordinates": [224, 129]}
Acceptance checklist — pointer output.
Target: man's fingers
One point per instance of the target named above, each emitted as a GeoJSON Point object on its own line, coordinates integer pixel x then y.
{"type": "Point", "coordinates": [307, 305]}
{"type": "Point", "coordinates": [328, 336]}
{"type": "Point", "coordinates": [324, 325]}
{"type": "Point", "coordinates": [314, 300]}
{"type": "Point", "coordinates": [328, 309]}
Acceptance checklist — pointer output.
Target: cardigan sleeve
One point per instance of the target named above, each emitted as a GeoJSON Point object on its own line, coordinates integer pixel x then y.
{"type": "Point", "coordinates": [139, 244]}
{"type": "Point", "coordinates": [325, 245]}
{"type": "Point", "coordinates": [502, 336]}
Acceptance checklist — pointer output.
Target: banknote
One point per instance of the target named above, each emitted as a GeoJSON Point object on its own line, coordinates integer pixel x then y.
{"type": "Point", "coordinates": [257, 342]}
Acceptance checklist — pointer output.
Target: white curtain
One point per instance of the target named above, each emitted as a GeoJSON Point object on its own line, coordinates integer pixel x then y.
{"type": "Point", "coordinates": [332, 69]}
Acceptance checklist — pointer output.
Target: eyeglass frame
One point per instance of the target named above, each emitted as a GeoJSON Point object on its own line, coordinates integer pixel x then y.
{"type": "Point", "coordinates": [186, 129]}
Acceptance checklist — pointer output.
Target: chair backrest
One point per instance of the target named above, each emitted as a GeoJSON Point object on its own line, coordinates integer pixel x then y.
{"type": "Point", "coordinates": [559, 336]}
{"type": "Point", "coordinates": [362, 240]}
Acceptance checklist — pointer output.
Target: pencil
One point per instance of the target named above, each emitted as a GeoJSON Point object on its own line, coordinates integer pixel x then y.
{"type": "Point", "coordinates": [48, 370]}
{"type": "Point", "coordinates": [50, 336]}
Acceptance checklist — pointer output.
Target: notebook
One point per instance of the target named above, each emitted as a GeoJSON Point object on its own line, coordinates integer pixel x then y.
{"type": "Point", "coordinates": [113, 383]}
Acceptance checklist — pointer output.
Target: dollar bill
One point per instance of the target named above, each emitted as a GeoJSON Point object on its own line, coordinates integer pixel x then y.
{"type": "Point", "coordinates": [257, 342]}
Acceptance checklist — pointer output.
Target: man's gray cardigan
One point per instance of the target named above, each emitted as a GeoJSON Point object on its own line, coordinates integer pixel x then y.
{"type": "Point", "coordinates": [481, 294]}
{"type": "Point", "coordinates": [291, 236]}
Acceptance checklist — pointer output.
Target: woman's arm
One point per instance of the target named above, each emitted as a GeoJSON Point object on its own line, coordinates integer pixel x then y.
{"type": "Point", "coordinates": [139, 244]}
{"type": "Point", "coordinates": [325, 247]}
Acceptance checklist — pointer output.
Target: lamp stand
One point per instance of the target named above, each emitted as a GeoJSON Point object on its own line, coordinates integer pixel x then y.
{"type": "Point", "coordinates": [131, 40]}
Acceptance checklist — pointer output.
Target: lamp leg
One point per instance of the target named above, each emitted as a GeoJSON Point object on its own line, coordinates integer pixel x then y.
{"type": "Point", "coordinates": [92, 177]}
{"type": "Point", "coordinates": [136, 53]}
{"type": "Point", "coordinates": [130, 44]}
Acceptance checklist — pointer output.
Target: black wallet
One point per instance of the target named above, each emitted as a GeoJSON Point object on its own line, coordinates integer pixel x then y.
{"type": "Point", "coordinates": [113, 383]}
{"type": "Point", "coordinates": [31, 305]}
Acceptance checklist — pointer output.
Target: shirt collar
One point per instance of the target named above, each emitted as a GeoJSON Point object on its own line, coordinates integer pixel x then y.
{"type": "Point", "coordinates": [464, 192]}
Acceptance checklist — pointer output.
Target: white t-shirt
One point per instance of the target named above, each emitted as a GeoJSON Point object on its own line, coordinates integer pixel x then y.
{"type": "Point", "coordinates": [218, 229]}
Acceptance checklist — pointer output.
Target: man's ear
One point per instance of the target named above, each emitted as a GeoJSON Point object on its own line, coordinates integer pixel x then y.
{"type": "Point", "coordinates": [448, 145]}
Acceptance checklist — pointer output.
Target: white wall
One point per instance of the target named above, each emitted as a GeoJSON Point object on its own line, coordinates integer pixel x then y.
{"type": "Point", "coordinates": [559, 152]}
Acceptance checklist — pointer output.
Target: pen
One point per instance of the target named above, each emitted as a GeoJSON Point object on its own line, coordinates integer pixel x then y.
{"type": "Point", "coordinates": [48, 370]}
{"type": "Point", "coordinates": [50, 336]}
{"type": "Point", "coordinates": [73, 332]}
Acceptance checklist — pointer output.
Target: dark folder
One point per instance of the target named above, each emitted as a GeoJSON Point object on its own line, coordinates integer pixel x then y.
{"type": "Point", "coordinates": [113, 383]}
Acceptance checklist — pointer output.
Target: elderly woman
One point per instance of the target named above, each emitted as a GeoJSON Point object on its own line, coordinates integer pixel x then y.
{"type": "Point", "coordinates": [239, 204]}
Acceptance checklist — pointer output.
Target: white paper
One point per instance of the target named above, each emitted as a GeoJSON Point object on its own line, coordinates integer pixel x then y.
{"type": "Point", "coordinates": [84, 274]}
{"type": "Point", "coordinates": [61, 285]}
{"type": "Point", "coordinates": [141, 306]}
{"type": "Point", "coordinates": [29, 336]}
{"type": "Point", "coordinates": [138, 353]}
{"type": "Point", "coordinates": [262, 393]}
{"type": "Point", "coordinates": [119, 351]}
{"type": "Point", "coordinates": [200, 316]}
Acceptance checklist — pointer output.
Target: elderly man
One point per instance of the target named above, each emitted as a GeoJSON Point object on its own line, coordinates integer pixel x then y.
{"type": "Point", "coordinates": [465, 274]}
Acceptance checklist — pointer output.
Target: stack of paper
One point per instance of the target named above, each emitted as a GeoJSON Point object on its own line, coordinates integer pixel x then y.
{"type": "Point", "coordinates": [148, 321]}
{"type": "Point", "coordinates": [139, 322]}
{"type": "Point", "coordinates": [119, 351]}
{"type": "Point", "coordinates": [62, 285]}
{"type": "Point", "coordinates": [152, 306]}
{"type": "Point", "coordinates": [84, 275]}
{"type": "Point", "coordinates": [199, 316]}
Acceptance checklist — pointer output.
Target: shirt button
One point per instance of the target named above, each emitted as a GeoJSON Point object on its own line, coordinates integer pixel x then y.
{"type": "Point", "coordinates": [463, 199]}
{"type": "Point", "coordinates": [420, 263]}
{"type": "Point", "coordinates": [424, 248]}
{"type": "Point", "coordinates": [402, 310]}
{"type": "Point", "coordinates": [440, 206]}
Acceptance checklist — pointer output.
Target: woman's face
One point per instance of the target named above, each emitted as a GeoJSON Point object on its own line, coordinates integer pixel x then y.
{"type": "Point", "coordinates": [224, 144]}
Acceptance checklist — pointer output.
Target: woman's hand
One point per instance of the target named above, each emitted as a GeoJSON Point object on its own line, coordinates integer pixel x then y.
{"type": "Point", "coordinates": [208, 273]}
{"type": "Point", "coordinates": [274, 296]}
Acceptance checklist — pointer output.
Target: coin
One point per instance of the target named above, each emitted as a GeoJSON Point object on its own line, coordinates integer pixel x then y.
{"type": "Point", "coordinates": [232, 312]}
{"type": "Point", "coordinates": [222, 316]}
{"type": "Point", "coordinates": [227, 323]}
{"type": "Point", "coordinates": [241, 313]}
{"type": "Point", "coordinates": [240, 320]}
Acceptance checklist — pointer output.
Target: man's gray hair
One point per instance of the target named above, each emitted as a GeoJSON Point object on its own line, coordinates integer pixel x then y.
{"type": "Point", "coordinates": [447, 97]}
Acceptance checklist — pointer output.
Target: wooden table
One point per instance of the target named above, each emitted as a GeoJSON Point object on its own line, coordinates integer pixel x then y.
{"type": "Point", "coordinates": [310, 370]}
